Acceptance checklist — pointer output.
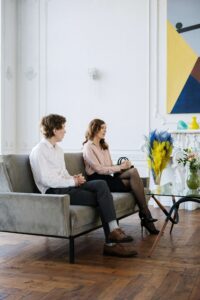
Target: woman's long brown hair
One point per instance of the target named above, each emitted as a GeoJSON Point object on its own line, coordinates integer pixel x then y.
{"type": "Point", "coordinates": [93, 128]}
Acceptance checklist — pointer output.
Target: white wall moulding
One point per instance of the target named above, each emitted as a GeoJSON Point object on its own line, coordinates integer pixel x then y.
{"type": "Point", "coordinates": [9, 73]}
{"type": "Point", "coordinates": [121, 92]}
{"type": "Point", "coordinates": [28, 97]}
{"type": "Point", "coordinates": [43, 70]}
{"type": "Point", "coordinates": [8, 76]}
{"type": "Point", "coordinates": [53, 76]}
{"type": "Point", "coordinates": [0, 76]}
{"type": "Point", "coordinates": [157, 86]}
{"type": "Point", "coordinates": [53, 59]}
{"type": "Point", "coordinates": [30, 73]}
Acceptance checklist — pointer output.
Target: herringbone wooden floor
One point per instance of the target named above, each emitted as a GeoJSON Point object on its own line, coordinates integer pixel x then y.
{"type": "Point", "coordinates": [37, 267]}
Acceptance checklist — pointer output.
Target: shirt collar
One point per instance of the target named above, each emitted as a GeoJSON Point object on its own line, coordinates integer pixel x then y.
{"type": "Point", "coordinates": [49, 145]}
{"type": "Point", "coordinates": [90, 142]}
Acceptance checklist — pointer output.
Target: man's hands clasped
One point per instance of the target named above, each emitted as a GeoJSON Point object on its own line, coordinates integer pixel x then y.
{"type": "Point", "coordinates": [79, 179]}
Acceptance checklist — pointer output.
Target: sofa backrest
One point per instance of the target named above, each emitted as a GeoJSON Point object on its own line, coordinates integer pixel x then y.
{"type": "Point", "coordinates": [20, 174]}
{"type": "Point", "coordinates": [75, 163]}
{"type": "Point", "coordinates": [5, 184]}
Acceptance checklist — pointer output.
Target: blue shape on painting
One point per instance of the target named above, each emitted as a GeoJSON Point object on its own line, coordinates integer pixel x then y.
{"type": "Point", "coordinates": [189, 99]}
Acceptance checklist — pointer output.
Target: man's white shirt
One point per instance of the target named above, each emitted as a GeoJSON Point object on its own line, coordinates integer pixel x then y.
{"type": "Point", "coordinates": [48, 167]}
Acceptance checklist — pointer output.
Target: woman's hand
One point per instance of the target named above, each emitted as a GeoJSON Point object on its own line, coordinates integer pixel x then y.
{"type": "Point", "coordinates": [79, 179]}
{"type": "Point", "coordinates": [125, 165]}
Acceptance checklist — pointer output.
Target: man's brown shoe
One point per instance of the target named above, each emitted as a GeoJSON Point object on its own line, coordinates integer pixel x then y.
{"type": "Point", "coordinates": [119, 236]}
{"type": "Point", "coordinates": [119, 250]}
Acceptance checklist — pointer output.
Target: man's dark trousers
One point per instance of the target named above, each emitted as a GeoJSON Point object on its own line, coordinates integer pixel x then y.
{"type": "Point", "coordinates": [92, 193]}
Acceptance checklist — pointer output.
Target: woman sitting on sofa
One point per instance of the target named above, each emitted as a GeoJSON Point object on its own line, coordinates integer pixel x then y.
{"type": "Point", "coordinates": [98, 165]}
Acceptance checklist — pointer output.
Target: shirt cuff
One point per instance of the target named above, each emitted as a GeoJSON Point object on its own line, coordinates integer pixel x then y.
{"type": "Point", "coordinates": [71, 182]}
{"type": "Point", "coordinates": [117, 169]}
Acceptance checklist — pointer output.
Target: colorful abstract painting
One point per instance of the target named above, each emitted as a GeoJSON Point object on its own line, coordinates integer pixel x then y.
{"type": "Point", "coordinates": [183, 56]}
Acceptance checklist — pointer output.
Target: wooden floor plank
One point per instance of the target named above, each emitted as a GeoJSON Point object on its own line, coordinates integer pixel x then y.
{"type": "Point", "coordinates": [37, 268]}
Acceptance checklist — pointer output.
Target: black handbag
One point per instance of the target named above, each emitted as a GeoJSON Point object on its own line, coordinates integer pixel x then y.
{"type": "Point", "coordinates": [120, 160]}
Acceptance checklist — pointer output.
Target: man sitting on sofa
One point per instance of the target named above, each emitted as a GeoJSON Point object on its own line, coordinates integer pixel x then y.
{"type": "Point", "coordinates": [51, 177]}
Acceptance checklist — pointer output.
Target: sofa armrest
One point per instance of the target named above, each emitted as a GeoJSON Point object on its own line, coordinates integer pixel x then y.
{"type": "Point", "coordinates": [35, 214]}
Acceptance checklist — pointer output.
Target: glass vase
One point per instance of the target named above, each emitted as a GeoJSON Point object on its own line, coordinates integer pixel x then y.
{"type": "Point", "coordinates": [157, 179]}
{"type": "Point", "coordinates": [192, 180]}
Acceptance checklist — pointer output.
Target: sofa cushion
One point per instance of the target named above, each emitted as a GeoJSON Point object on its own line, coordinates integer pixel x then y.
{"type": "Point", "coordinates": [84, 218]}
{"type": "Point", "coordinates": [20, 174]}
{"type": "Point", "coordinates": [5, 184]}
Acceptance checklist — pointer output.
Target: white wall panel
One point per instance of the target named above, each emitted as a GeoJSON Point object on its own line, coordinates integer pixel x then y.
{"type": "Point", "coordinates": [28, 98]}
{"type": "Point", "coordinates": [1, 23]}
{"type": "Point", "coordinates": [113, 37]}
{"type": "Point", "coordinates": [8, 76]}
{"type": "Point", "coordinates": [59, 41]}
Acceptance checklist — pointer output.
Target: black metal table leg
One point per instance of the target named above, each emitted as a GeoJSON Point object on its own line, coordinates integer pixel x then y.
{"type": "Point", "coordinates": [163, 208]}
{"type": "Point", "coordinates": [175, 214]}
{"type": "Point", "coordinates": [174, 220]}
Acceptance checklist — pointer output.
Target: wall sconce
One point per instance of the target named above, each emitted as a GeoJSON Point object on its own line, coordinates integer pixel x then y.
{"type": "Point", "coordinates": [93, 73]}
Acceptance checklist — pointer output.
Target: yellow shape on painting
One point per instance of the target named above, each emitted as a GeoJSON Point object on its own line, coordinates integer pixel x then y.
{"type": "Point", "coordinates": [181, 59]}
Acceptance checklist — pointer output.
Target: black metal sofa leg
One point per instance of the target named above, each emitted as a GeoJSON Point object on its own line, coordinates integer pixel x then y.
{"type": "Point", "coordinates": [71, 250]}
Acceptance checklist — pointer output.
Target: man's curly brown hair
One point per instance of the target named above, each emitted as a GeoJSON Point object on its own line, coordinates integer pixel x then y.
{"type": "Point", "coordinates": [51, 122]}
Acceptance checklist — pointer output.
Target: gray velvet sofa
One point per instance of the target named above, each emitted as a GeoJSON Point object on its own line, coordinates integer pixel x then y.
{"type": "Point", "coordinates": [24, 210]}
